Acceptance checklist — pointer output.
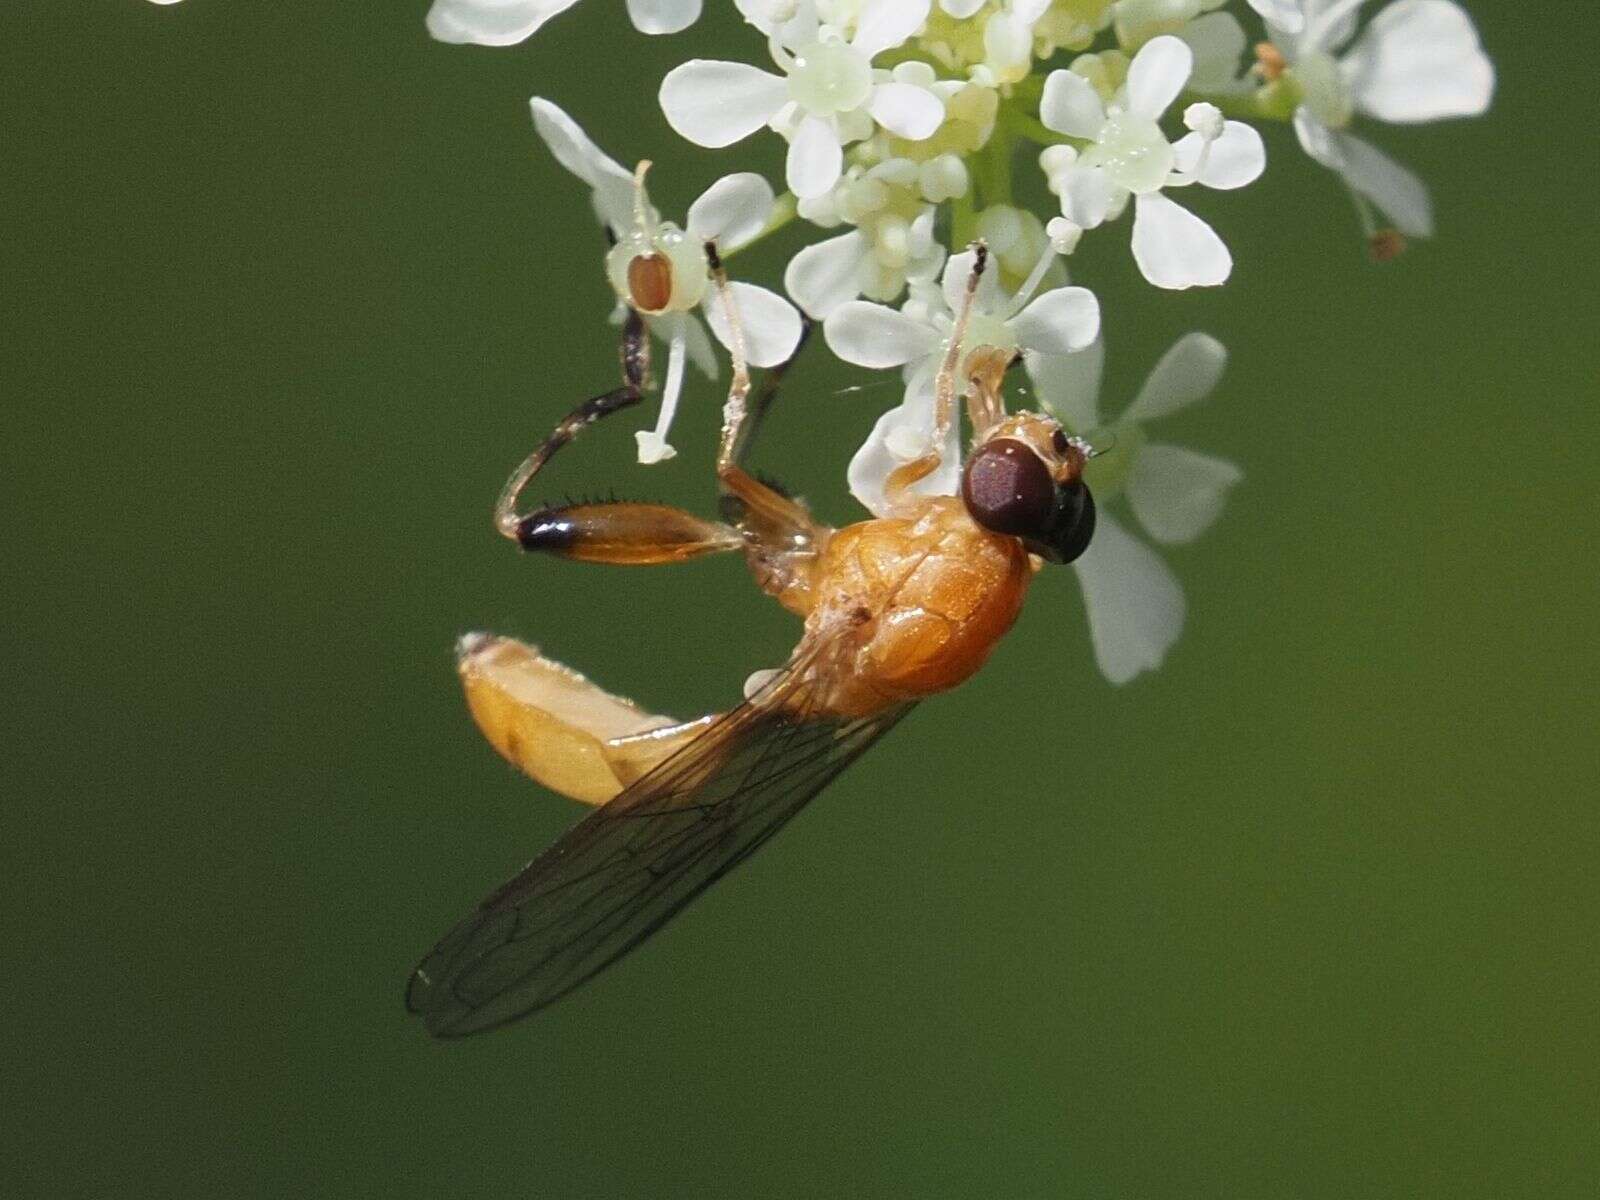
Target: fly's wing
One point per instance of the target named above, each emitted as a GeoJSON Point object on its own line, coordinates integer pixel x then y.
{"type": "Point", "coordinates": [630, 866]}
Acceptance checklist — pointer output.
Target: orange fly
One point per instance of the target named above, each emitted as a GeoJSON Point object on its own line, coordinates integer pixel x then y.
{"type": "Point", "coordinates": [895, 609]}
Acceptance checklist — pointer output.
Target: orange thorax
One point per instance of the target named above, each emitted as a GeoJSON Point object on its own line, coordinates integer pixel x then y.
{"type": "Point", "coordinates": [919, 600]}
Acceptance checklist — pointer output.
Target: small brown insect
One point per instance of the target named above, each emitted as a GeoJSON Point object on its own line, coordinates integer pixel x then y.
{"type": "Point", "coordinates": [895, 609]}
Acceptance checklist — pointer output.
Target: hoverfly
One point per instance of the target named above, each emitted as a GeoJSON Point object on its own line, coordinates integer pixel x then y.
{"type": "Point", "coordinates": [895, 609]}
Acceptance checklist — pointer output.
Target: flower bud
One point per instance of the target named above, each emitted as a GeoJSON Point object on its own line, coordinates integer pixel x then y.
{"type": "Point", "coordinates": [943, 178]}
{"type": "Point", "coordinates": [1064, 235]}
{"type": "Point", "coordinates": [1205, 119]}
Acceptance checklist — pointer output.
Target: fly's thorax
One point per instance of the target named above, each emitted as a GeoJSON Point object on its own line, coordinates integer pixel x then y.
{"type": "Point", "coordinates": [923, 599]}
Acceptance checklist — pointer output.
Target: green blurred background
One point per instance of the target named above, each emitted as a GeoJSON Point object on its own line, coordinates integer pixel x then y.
{"type": "Point", "coordinates": [1310, 913]}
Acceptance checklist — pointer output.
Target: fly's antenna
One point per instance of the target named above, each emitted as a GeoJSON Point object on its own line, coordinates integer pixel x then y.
{"type": "Point", "coordinates": [1103, 444]}
{"type": "Point", "coordinates": [635, 346]}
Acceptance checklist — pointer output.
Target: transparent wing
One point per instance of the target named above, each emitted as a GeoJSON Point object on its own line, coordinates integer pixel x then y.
{"type": "Point", "coordinates": [630, 866]}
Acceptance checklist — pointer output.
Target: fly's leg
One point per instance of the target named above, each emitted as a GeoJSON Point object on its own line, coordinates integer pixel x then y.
{"type": "Point", "coordinates": [782, 541]}
{"type": "Point", "coordinates": [985, 370]}
{"type": "Point", "coordinates": [624, 534]}
{"type": "Point", "coordinates": [762, 511]}
{"type": "Point", "coordinates": [765, 393]}
{"type": "Point", "coordinates": [944, 392]}
{"type": "Point", "coordinates": [635, 354]}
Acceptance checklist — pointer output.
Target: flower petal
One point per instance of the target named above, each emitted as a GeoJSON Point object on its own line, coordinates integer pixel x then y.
{"type": "Point", "coordinates": [716, 103]}
{"type": "Point", "coordinates": [763, 14]}
{"type": "Point", "coordinates": [1070, 105]}
{"type": "Point", "coordinates": [1285, 14]}
{"type": "Point", "coordinates": [1086, 196]}
{"type": "Point", "coordinates": [613, 186]}
{"type": "Point", "coordinates": [770, 324]}
{"type": "Point", "coordinates": [1178, 493]}
{"type": "Point", "coordinates": [491, 23]}
{"type": "Point", "coordinates": [1135, 603]}
{"type": "Point", "coordinates": [1176, 249]}
{"type": "Point", "coordinates": [827, 274]}
{"type": "Point", "coordinates": [1235, 159]}
{"type": "Point", "coordinates": [961, 8]}
{"type": "Point", "coordinates": [1062, 321]}
{"type": "Point", "coordinates": [870, 467]}
{"type": "Point", "coordinates": [1189, 371]}
{"type": "Point", "coordinates": [1420, 60]}
{"type": "Point", "coordinates": [885, 24]}
{"type": "Point", "coordinates": [1218, 42]}
{"type": "Point", "coordinates": [1157, 74]}
{"type": "Point", "coordinates": [1397, 191]}
{"type": "Point", "coordinates": [912, 112]}
{"type": "Point", "coordinates": [732, 211]}
{"type": "Point", "coordinates": [815, 160]}
{"type": "Point", "coordinates": [871, 335]}
{"type": "Point", "coordinates": [698, 341]}
{"type": "Point", "coordinates": [1316, 139]}
{"type": "Point", "coordinates": [1318, 34]}
{"type": "Point", "coordinates": [1393, 188]}
{"type": "Point", "coordinates": [957, 270]}
{"type": "Point", "coordinates": [663, 16]}
{"type": "Point", "coordinates": [1068, 385]}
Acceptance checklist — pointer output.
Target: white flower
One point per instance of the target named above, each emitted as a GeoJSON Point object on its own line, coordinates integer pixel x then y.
{"type": "Point", "coordinates": [1130, 156]}
{"type": "Point", "coordinates": [507, 22]}
{"type": "Point", "coordinates": [1017, 241]}
{"type": "Point", "coordinates": [1418, 60]}
{"type": "Point", "coordinates": [1134, 602]}
{"type": "Point", "coordinates": [1058, 322]}
{"type": "Point", "coordinates": [1138, 21]}
{"type": "Point", "coordinates": [828, 95]}
{"type": "Point", "coordinates": [892, 243]}
{"type": "Point", "coordinates": [1008, 39]}
{"type": "Point", "coordinates": [660, 270]}
{"type": "Point", "coordinates": [1071, 25]}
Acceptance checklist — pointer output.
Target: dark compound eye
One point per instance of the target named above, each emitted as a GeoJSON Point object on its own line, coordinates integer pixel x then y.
{"type": "Point", "coordinates": [1072, 527]}
{"type": "Point", "coordinates": [1009, 490]}
{"type": "Point", "coordinates": [1058, 440]}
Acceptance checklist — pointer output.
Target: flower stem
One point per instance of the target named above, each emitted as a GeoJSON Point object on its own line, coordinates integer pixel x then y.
{"type": "Point", "coordinates": [994, 166]}
{"type": "Point", "coordinates": [1035, 130]}
{"type": "Point", "coordinates": [963, 220]}
{"type": "Point", "coordinates": [1243, 106]}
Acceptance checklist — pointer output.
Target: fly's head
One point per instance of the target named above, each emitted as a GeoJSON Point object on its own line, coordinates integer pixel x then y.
{"type": "Point", "coordinates": [1025, 478]}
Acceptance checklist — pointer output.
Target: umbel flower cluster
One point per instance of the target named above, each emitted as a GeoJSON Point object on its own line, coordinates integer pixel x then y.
{"type": "Point", "coordinates": [916, 127]}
